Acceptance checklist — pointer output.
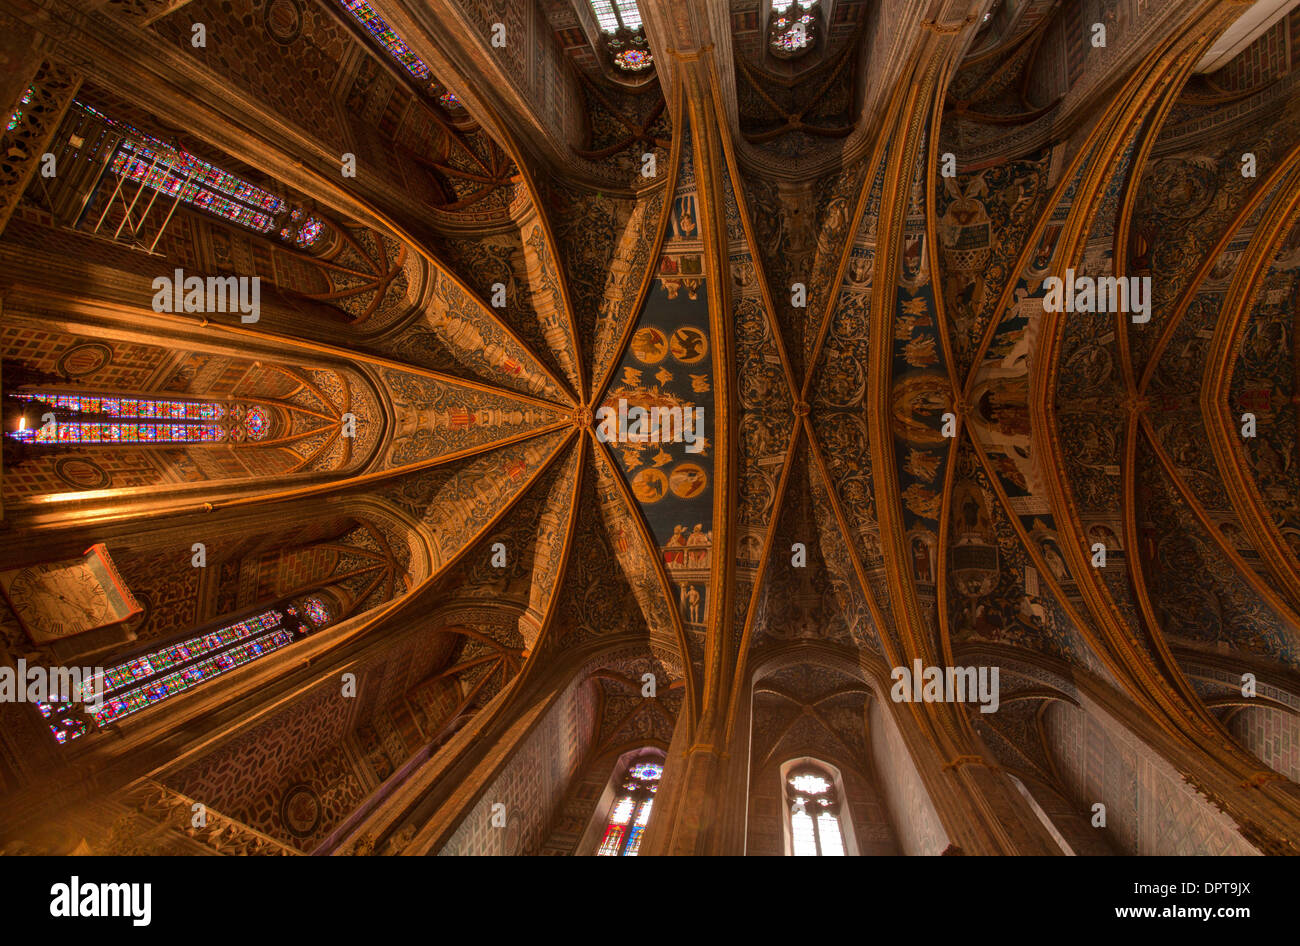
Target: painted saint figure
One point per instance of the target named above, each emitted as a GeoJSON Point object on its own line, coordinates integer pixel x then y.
{"type": "Point", "coordinates": [675, 554]}
{"type": "Point", "coordinates": [698, 557]}
{"type": "Point", "coordinates": [921, 561]}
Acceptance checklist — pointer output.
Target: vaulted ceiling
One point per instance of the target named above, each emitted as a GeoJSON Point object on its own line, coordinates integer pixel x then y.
{"type": "Point", "coordinates": [841, 258]}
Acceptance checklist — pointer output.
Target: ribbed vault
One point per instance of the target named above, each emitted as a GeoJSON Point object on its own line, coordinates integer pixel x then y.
{"type": "Point", "coordinates": [905, 455]}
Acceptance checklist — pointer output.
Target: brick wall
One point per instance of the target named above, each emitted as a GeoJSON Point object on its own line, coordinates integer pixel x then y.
{"type": "Point", "coordinates": [916, 823]}
{"type": "Point", "coordinates": [533, 784]}
{"type": "Point", "coordinates": [1270, 56]}
{"type": "Point", "coordinates": [1149, 808]}
{"type": "Point", "coordinates": [1271, 734]}
{"type": "Point", "coordinates": [579, 805]}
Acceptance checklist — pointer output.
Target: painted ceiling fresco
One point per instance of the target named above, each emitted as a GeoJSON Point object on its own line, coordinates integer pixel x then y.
{"type": "Point", "coordinates": [668, 373]}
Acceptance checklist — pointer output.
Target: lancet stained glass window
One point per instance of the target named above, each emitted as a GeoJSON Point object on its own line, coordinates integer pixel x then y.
{"type": "Point", "coordinates": [158, 165]}
{"type": "Point", "coordinates": [611, 14]}
{"type": "Point", "coordinates": [814, 813]}
{"type": "Point", "coordinates": [631, 811]}
{"type": "Point", "coordinates": [111, 419]}
{"type": "Point", "coordinates": [172, 668]}
{"type": "Point", "coordinates": [377, 27]}
{"type": "Point", "coordinates": [155, 164]}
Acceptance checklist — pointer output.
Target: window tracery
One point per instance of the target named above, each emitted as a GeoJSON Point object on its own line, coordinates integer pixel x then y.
{"type": "Point", "coordinates": [17, 115]}
{"type": "Point", "coordinates": [631, 810]}
{"type": "Point", "coordinates": [814, 811]}
{"type": "Point", "coordinates": [620, 22]}
{"type": "Point", "coordinates": [792, 27]}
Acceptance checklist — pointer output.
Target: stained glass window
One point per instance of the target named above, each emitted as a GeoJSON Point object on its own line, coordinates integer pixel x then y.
{"type": "Point", "coordinates": [620, 21]}
{"type": "Point", "coordinates": [814, 814]}
{"type": "Point", "coordinates": [17, 115]}
{"type": "Point", "coordinates": [114, 419]}
{"type": "Point", "coordinates": [377, 27]}
{"type": "Point", "coordinates": [611, 14]}
{"type": "Point", "coordinates": [127, 433]}
{"type": "Point", "coordinates": [605, 15]}
{"type": "Point", "coordinates": [449, 100]}
{"type": "Point", "coordinates": [631, 811]}
{"type": "Point", "coordinates": [792, 28]}
{"type": "Point", "coordinates": [132, 407]}
{"type": "Point", "coordinates": [151, 677]}
{"type": "Point", "coordinates": [316, 612]}
{"type": "Point", "coordinates": [65, 722]}
{"type": "Point", "coordinates": [646, 771]}
{"type": "Point", "coordinates": [309, 232]}
{"type": "Point", "coordinates": [155, 164]}
{"type": "Point", "coordinates": [160, 688]}
{"type": "Point", "coordinates": [256, 423]}
{"type": "Point", "coordinates": [158, 165]}
{"type": "Point", "coordinates": [633, 60]}
{"type": "Point", "coordinates": [303, 232]}
{"type": "Point", "coordinates": [197, 183]}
